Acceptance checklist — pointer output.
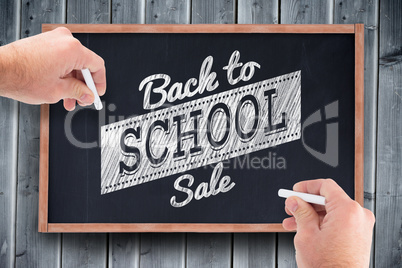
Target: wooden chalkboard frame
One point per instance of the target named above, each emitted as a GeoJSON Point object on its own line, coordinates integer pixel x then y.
{"type": "Point", "coordinates": [356, 29]}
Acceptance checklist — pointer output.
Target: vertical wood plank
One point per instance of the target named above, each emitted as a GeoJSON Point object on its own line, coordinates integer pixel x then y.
{"type": "Point", "coordinates": [33, 248]}
{"type": "Point", "coordinates": [257, 11]}
{"type": "Point", "coordinates": [213, 250]}
{"type": "Point", "coordinates": [167, 12]}
{"type": "Point", "coordinates": [306, 12]}
{"type": "Point", "coordinates": [255, 250]}
{"type": "Point", "coordinates": [213, 11]}
{"type": "Point", "coordinates": [84, 250]}
{"type": "Point", "coordinates": [209, 250]}
{"type": "Point", "coordinates": [128, 11]}
{"type": "Point", "coordinates": [366, 12]}
{"type": "Point", "coordinates": [286, 251]}
{"type": "Point", "coordinates": [9, 32]}
{"type": "Point", "coordinates": [300, 12]}
{"type": "Point", "coordinates": [89, 250]}
{"type": "Point", "coordinates": [124, 249]}
{"type": "Point", "coordinates": [164, 250]}
{"type": "Point", "coordinates": [88, 11]}
{"type": "Point", "coordinates": [388, 250]}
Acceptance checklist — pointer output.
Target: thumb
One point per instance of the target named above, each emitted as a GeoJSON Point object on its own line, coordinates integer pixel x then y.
{"type": "Point", "coordinates": [76, 89]}
{"type": "Point", "coordinates": [306, 217]}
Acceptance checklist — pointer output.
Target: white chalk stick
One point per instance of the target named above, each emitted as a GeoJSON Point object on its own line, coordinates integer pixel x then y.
{"type": "Point", "coordinates": [90, 83]}
{"type": "Point", "coordinates": [311, 198]}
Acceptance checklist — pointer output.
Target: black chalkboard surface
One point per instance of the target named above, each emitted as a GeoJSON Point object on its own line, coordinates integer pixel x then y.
{"type": "Point", "coordinates": [202, 126]}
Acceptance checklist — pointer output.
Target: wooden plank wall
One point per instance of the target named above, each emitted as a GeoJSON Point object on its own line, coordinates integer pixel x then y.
{"type": "Point", "coordinates": [22, 246]}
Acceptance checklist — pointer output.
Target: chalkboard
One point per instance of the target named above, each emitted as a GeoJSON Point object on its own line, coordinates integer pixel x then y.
{"type": "Point", "coordinates": [202, 124]}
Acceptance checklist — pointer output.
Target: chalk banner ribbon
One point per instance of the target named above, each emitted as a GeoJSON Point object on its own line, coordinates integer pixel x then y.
{"type": "Point", "coordinates": [200, 132]}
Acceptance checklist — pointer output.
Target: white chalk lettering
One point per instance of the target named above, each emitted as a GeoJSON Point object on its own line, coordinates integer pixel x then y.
{"type": "Point", "coordinates": [234, 63]}
{"type": "Point", "coordinates": [202, 190]}
{"type": "Point", "coordinates": [207, 81]}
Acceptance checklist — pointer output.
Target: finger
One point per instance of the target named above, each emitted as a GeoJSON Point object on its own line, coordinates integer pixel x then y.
{"type": "Point", "coordinates": [100, 81]}
{"type": "Point", "coordinates": [96, 65]}
{"type": "Point", "coordinates": [75, 89]}
{"type": "Point", "coordinates": [288, 211]}
{"type": "Point", "coordinates": [69, 104]}
{"type": "Point", "coordinates": [289, 224]}
{"type": "Point", "coordinates": [306, 217]}
{"type": "Point", "coordinates": [324, 187]}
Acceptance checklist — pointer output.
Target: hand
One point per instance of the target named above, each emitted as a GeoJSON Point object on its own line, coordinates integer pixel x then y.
{"type": "Point", "coordinates": [337, 235]}
{"type": "Point", "coordinates": [47, 68]}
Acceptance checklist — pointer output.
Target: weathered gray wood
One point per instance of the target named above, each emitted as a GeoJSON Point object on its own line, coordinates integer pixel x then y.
{"type": "Point", "coordinates": [306, 12]}
{"type": "Point", "coordinates": [88, 250]}
{"type": "Point", "coordinates": [162, 250]}
{"type": "Point", "coordinates": [257, 12]}
{"type": "Point", "coordinates": [84, 250]}
{"type": "Point", "coordinates": [9, 32]}
{"type": "Point", "coordinates": [128, 11]}
{"type": "Point", "coordinates": [88, 11]}
{"type": "Point", "coordinates": [167, 12]}
{"type": "Point", "coordinates": [33, 249]}
{"type": "Point", "coordinates": [212, 250]}
{"type": "Point", "coordinates": [213, 11]}
{"type": "Point", "coordinates": [388, 250]}
{"type": "Point", "coordinates": [166, 250]}
{"type": "Point", "coordinates": [366, 12]}
{"type": "Point", "coordinates": [286, 251]}
{"type": "Point", "coordinates": [209, 250]}
{"type": "Point", "coordinates": [124, 249]}
{"type": "Point", "coordinates": [254, 250]}
{"type": "Point", "coordinates": [300, 12]}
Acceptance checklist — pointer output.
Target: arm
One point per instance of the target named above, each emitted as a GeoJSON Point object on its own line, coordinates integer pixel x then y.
{"type": "Point", "coordinates": [337, 235]}
{"type": "Point", "coordinates": [46, 68]}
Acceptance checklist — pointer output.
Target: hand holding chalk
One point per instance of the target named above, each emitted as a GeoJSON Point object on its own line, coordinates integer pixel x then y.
{"type": "Point", "coordinates": [90, 83]}
{"type": "Point", "coordinates": [338, 235]}
{"type": "Point", "coordinates": [311, 198]}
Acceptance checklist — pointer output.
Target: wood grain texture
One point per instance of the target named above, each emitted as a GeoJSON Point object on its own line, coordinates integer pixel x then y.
{"type": "Point", "coordinates": [88, 11]}
{"type": "Point", "coordinates": [209, 250]}
{"type": "Point", "coordinates": [128, 11]}
{"type": "Point", "coordinates": [43, 168]}
{"type": "Point", "coordinates": [84, 250]}
{"type": "Point", "coordinates": [9, 32]}
{"type": "Point", "coordinates": [366, 12]}
{"type": "Point", "coordinates": [124, 250]}
{"type": "Point", "coordinates": [300, 12]}
{"type": "Point", "coordinates": [257, 12]}
{"type": "Point", "coordinates": [161, 227]}
{"type": "Point", "coordinates": [89, 250]}
{"type": "Point", "coordinates": [203, 28]}
{"type": "Point", "coordinates": [33, 248]}
{"type": "Point", "coordinates": [212, 250]}
{"type": "Point", "coordinates": [167, 12]}
{"type": "Point", "coordinates": [359, 113]}
{"type": "Point", "coordinates": [254, 250]}
{"type": "Point", "coordinates": [388, 233]}
{"type": "Point", "coordinates": [306, 12]}
{"type": "Point", "coordinates": [167, 250]}
{"type": "Point", "coordinates": [286, 251]}
{"type": "Point", "coordinates": [162, 250]}
{"type": "Point", "coordinates": [213, 11]}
